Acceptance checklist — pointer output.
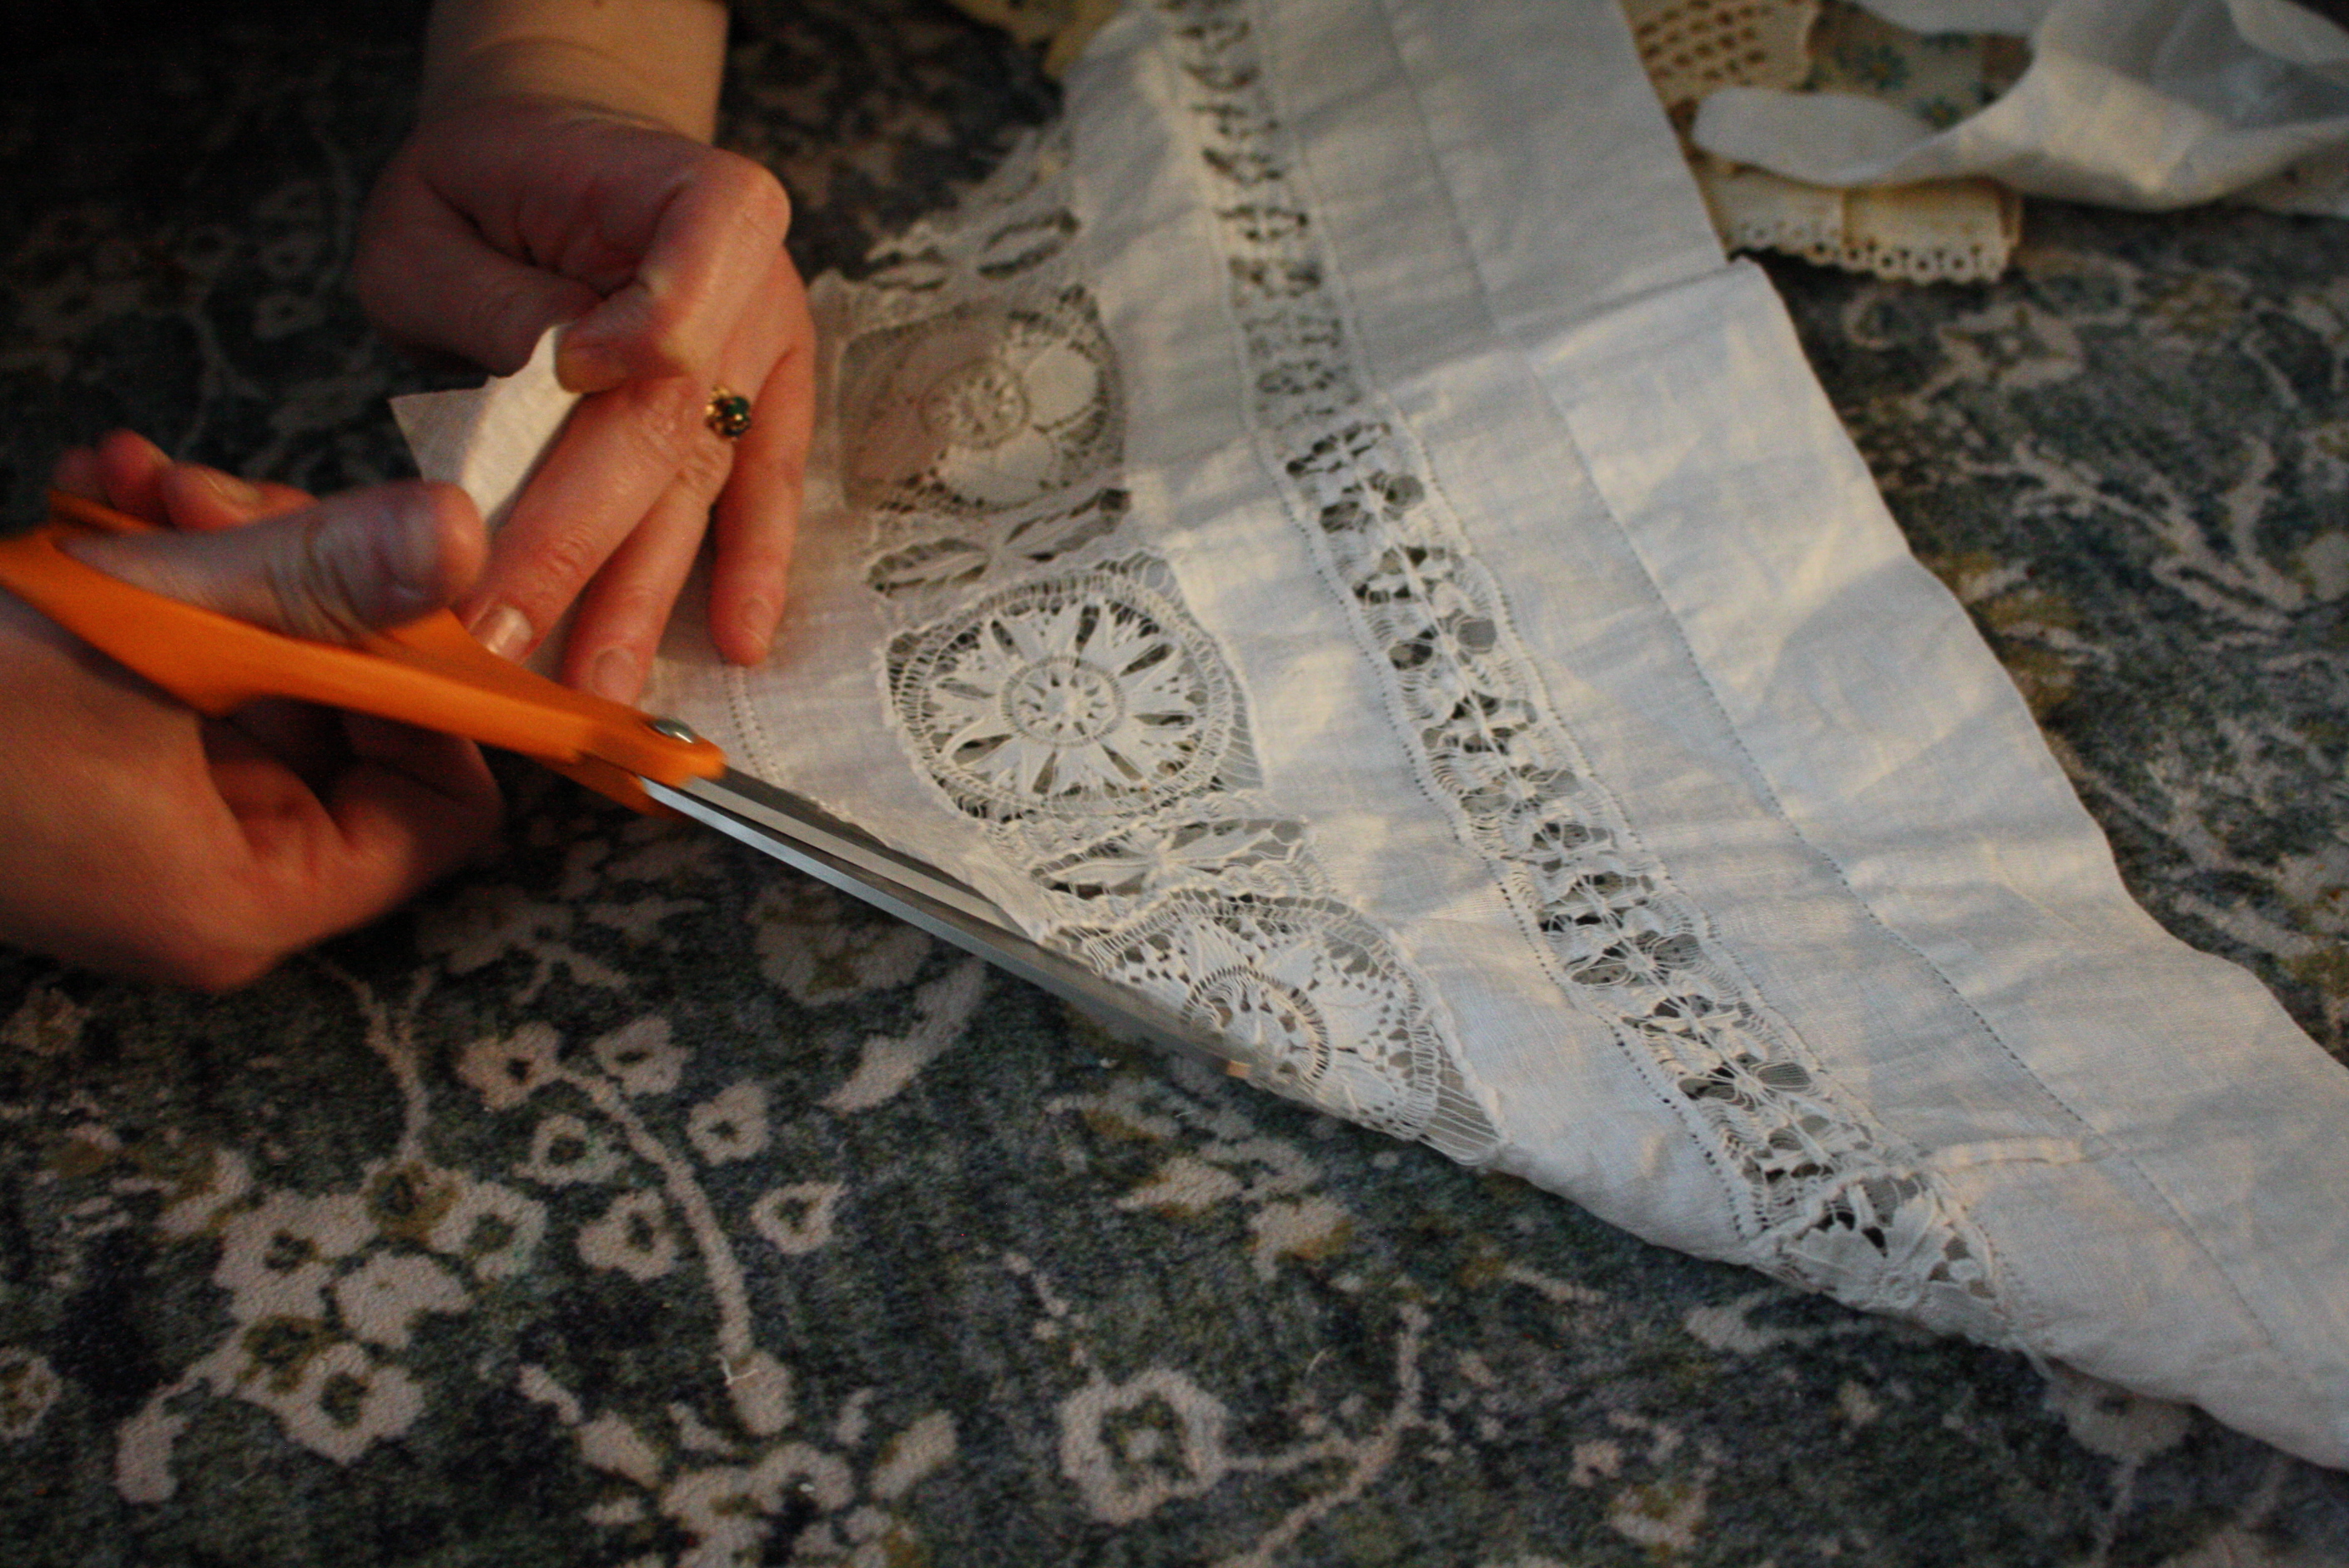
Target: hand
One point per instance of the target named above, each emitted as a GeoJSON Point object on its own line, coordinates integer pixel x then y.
{"type": "Point", "coordinates": [137, 836]}
{"type": "Point", "coordinates": [547, 183]}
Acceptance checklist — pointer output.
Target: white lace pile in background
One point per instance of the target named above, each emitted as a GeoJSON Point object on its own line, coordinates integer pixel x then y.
{"type": "Point", "coordinates": [1326, 538]}
{"type": "Point", "coordinates": [1958, 231]}
{"type": "Point", "coordinates": [1893, 136]}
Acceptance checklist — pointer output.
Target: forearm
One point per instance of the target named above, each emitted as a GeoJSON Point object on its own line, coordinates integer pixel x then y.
{"type": "Point", "coordinates": [659, 60]}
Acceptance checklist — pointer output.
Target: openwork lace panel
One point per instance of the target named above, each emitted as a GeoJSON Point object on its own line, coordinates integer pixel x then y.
{"type": "Point", "coordinates": [1824, 1199]}
{"type": "Point", "coordinates": [1050, 682]}
{"type": "Point", "coordinates": [1048, 677]}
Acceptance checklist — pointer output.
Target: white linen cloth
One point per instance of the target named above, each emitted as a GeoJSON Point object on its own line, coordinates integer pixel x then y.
{"type": "Point", "coordinates": [2128, 103]}
{"type": "Point", "coordinates": [1328, 537]}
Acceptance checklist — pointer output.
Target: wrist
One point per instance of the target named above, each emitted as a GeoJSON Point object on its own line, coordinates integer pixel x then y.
{"type": "Point", "coordinates": [659, 61]}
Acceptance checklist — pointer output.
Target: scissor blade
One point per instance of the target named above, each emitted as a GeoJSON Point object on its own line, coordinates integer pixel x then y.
{"type": "Point", "coordinates": [804, 836]}
{"type": "Point", "coordinates": [796, 821]}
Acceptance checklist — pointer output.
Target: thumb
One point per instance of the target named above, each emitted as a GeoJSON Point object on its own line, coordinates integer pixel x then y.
{"type": "Point", "coordinates": [350, 564]}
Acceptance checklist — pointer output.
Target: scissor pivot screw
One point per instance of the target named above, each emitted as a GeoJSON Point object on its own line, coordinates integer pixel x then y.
{"type": "Point", "coordinates": [675, 728]}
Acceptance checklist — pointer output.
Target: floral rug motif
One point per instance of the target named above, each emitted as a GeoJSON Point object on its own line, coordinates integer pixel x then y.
{"type": "Point", "coordinates": [632, 1201]}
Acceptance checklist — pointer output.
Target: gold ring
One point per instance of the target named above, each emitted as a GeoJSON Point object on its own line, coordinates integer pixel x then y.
{"type": "Point", "coordinates": [728, 413]}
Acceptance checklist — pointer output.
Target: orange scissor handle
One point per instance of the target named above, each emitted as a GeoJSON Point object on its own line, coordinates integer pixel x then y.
{"type": "Point", "coordinates": [429, 673]}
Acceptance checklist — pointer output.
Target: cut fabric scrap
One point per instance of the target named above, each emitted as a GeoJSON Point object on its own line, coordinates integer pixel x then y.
{"type": "Point", "coordinates": [1325, 538]}
{"type": "Point", "coordinates": [488, 440]}
{"type": "Point", "coordinates": [2150, 104]}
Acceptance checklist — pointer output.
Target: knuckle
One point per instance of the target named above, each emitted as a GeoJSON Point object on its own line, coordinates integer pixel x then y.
{"type": "Point", "coordinates": [780, 463]}
{"type": "Point", "coordinates": [664, 437]}
{"type": "Point", "coordinates": [301, 593]}
{"type": "Point", "coordinates": [654, 320]}
{"type": "Point", "coordinates": [320, 589]}
{"type": "Point", "coordinates": [505, 320]}
{"type": "Point", "coordinates": [630, 618]}
{"type": "Point", "coordinates": [663, 419]}
{"type": "Point", "coordinates": [704, 467]}
{"type": "Point", "coordinates": [753, 196]}
{"type": "Point", "coordinates": [561, 562]}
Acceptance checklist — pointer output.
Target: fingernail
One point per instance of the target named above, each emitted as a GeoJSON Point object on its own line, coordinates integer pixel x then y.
{"type": "Point", "coordinates": [237, 492]}
{"type": "Point", "coordinates": [614, 675]}
{"type": "Point", "coordinates": [503, 630]}
{"type": "Point", "coordinates": [583, 365]}
{"type": "Point", "coordinates": [759, 616]}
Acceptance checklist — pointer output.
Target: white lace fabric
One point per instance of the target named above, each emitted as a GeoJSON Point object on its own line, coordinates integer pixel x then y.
{"type": "Point", "coordinates": [1327, 539]}
{"type": "Point", "coordinates": [1893, 137]}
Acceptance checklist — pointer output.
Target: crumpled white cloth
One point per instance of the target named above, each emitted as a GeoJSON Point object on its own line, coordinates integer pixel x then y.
{"type": "Point", "coordinates": [2128, 103]}
{"type": "Point", "coordinates": [1328, 541]}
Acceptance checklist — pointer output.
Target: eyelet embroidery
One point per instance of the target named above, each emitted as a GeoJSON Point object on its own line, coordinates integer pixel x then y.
{"type": "Point", "coordinates": [1306, 991]}
{"type": "Point", "coordinates": [1149, 858]}
{"type": "Point", "coordinates": [1053, 684]}
{"type": "Point", "coordinates": [1081, 695]}
{"type": "Point", "coordinates": [997, 545]}
{"type": "Point", "coordinates": [988, 405]}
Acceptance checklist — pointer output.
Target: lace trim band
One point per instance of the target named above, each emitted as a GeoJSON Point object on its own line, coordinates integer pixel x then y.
{"type": "Point", "coordinates": [1824, 1200]}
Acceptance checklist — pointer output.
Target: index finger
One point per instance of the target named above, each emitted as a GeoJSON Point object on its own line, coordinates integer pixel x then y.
{"type": "Point", "coordinates": [620, 449]}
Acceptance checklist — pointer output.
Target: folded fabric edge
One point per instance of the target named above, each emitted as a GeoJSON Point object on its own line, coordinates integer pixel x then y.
{"type": "Point", "coordinates": [2276, 1366]}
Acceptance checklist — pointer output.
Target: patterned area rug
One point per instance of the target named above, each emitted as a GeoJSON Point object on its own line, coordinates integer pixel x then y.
{"type": "Point", "coordinates": [631, 1200]}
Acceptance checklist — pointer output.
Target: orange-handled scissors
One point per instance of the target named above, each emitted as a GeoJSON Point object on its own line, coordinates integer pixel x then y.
{"type": "Point", "coordinates": [431, 673]}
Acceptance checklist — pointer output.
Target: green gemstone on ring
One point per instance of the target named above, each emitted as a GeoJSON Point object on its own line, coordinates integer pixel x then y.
{"type": "Point", "coordinates": [729, 414]}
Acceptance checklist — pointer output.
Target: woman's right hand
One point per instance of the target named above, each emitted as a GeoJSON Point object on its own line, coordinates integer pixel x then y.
{"type": "Point", "coordinates": [138, 836]}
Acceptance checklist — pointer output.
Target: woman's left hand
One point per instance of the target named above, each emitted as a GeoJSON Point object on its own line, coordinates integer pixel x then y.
{"type": "Point", "coordinates": [544, 185]}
